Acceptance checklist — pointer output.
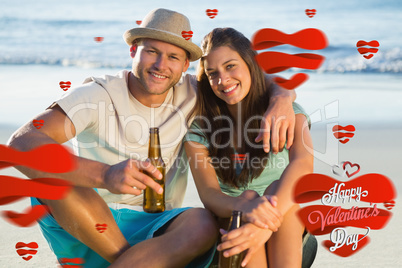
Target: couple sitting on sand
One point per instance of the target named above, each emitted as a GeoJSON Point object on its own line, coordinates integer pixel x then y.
{"type": "Point", "coordinates": [231, 107]}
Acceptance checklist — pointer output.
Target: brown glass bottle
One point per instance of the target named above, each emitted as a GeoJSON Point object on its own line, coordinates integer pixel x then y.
{"type": "Point", "coordinates": [236, 260]}
{"type": "Point", "coordinates": [154, 202]}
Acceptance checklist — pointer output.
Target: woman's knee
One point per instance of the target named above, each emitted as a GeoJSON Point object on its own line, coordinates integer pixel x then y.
{"type": "Point", "coordinates": [250, 194]}
{"type": "Point", "coordinates": [271, 189]}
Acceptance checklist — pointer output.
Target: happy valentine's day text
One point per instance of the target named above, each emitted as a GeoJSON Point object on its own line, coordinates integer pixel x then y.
{"type": "Point", "coordinates": [339, 236]}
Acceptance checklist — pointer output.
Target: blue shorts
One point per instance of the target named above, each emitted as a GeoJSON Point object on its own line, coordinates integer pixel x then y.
{"type": "Point", "coordinates": [136, 226]}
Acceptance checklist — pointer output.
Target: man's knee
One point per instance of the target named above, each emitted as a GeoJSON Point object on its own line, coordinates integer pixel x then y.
{"type": "Point", "coordinates": [203, 225]}
{"type": "Point", "coordinates": [203, 219]}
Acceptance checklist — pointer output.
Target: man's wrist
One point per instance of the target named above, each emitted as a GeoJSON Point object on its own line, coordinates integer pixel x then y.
{"type": "Point", "coordinates": [281, 96]}
{"type": "Point", "coordinates": [101, 180]}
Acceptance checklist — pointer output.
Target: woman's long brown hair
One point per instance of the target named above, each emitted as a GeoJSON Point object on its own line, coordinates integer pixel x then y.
{"type": "Point", "coordinates": [215, 111]}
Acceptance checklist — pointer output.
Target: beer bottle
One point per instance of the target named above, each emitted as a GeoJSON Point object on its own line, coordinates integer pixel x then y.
{"type": "Point", "coordinates": [154, 202]}
{"type": "Point", "coordinates": [236, 260]}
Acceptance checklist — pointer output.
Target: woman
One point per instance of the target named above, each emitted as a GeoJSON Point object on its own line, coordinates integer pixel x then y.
{"type": "Point", "coordinates": [230, 170]}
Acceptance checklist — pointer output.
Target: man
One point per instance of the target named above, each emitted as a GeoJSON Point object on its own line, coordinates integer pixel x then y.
{"type": "Point", "coordinates": [110, 118]}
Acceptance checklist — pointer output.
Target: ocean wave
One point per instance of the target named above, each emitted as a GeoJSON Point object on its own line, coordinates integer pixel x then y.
{"type": "Point", "coordinates": [384, 61]}
{"type": "Point", "coordinates": [388, 61]}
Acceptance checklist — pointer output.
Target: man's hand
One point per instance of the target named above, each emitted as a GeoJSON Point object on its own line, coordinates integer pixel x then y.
{"type": "Point", "coordinates": [128, 177]}
{"type": "Point", "coordinates": [278, 124]}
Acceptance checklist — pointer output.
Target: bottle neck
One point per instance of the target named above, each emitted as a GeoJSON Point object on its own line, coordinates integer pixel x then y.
{"type": "Point", "coordinates": [154, 149]}
{"type": "Point", "coordinates": [235, 220]}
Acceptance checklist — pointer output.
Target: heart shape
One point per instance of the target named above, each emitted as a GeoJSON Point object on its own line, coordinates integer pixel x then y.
{"type": "Point", "coordinates": [98, 39]}
{"type": "Point", "coordinates": [364, 50]}
{"type": "Point", "coordinates": [341, 135]}
{"type": "Point", "coordinates": [38, 123]}
{"type": "Point", "coordinates": [295, 81]}
{"type": "Point", "coordinates": [389, 204]}
{"type": "Point", "coordinates": [211, 13]}
{"type": "Point", "coordinates": [22, 252]}
{"type": "Point", "coordinates": [274, 62]}
{"type": "Point", "coordinates": [65, 85]}
{"type": "Point", "coordinates": [187, 34]}
{"type": "Point", "coordinates": [310, 12]}
{"type": "Point", "coordinates": [347, 163]}
{"type": "Point", "coordinates": [101, 227]}
{"type": "Point", "coordinates": [138, 22]}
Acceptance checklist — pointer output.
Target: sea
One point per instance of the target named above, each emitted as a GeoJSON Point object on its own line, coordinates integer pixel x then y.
{"type": "Point", "coordinates": [47, 39]}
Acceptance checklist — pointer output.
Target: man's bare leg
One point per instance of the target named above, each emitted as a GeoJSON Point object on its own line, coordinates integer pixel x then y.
{"type": "Point", "coordinates": [78, 214]}
{"type": "Point", "coordinates": [190, 234]}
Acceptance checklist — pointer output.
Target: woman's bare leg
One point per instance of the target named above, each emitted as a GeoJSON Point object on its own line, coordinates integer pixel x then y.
{"type": "Point", "coordinates": [285, 246]}
{"type": "Point", "coordinates": [259, 259]}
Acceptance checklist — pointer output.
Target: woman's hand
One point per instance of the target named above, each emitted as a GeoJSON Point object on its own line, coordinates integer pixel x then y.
{"type": "Point", "coordinates": [248, 236]}
{"type": "Point", "coordinates": [260, 210]}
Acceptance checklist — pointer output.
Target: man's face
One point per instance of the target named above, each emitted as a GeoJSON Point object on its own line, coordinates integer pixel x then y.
{"type": "Point", "coordinates": [158, 66]}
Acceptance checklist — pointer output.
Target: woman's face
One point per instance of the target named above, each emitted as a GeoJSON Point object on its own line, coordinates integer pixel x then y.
{"type": "Point", "coordinates": [228, 74]}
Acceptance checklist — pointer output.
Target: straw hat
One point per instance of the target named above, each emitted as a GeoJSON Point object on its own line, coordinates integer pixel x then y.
{"type": "Point", "coordinates": [165, 25]}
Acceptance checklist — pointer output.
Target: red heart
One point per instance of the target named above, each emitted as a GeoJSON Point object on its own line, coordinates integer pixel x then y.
{"type": "Point", "coordinates": [38, 123]}
{"type": "Point", "coordinates": [295, 81]}
{"type": "Point", "coordinates": [187, 34]}
{"type": "Point", "coordinates": [347, 163]}
{"type": "Point", "coordinates": [65, 85]}
{"type": "Point", "coordinates": [364, 50]}
{"type": "Point", "coordinates": [32, 249]}
{"type": "Point", "coordinates": [340, 135]}
{"type": "Point", "coordinates": [138, 22]}
{"type": "Point", "coordinates": [389, 204]}
{"type": "Point", "coordinates": [274, 62]}
{"type": "Point", "coordinates": [101, 227]}
{"type": "Point", "coordinates": [98, 39]}
{"type": "Point", "coordinates": [310, 12]}
{"type": "Point", "coordinates": [211, 13]}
